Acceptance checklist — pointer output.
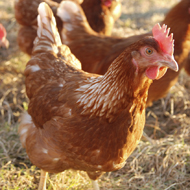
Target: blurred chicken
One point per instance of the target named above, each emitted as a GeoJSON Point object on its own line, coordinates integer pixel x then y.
{"type": "Point", "coordinates": [82, 121]}
{"type": "Point", "coordinates": [101, 15]}
{"type": "Point", "coordinates": [96, 52]}
{"type": "Point", "coordinates": [4, 43]}
{"type": "Point", "coordinates": [25, 38]}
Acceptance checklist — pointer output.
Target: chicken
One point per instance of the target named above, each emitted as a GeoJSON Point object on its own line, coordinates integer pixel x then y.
{"type": "Point", "coordinates": [83, 121]}
{"type": "Point", "coordinates": [101, 15]}
{"type": "Point", "coordinates": [96, 52]}
{"type": "Point", "coordinates": [4, 43]}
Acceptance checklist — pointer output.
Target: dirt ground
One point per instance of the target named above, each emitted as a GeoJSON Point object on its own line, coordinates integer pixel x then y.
{"type": "Point", "coordinates": [160, 162]}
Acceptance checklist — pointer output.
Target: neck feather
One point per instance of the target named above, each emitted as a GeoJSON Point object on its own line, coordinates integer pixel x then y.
{"type": "Point", "coordinates": [119, 89]}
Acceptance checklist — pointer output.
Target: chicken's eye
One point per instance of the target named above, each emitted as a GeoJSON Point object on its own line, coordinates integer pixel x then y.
{"type": "Point", "coordinates": [149, 51]}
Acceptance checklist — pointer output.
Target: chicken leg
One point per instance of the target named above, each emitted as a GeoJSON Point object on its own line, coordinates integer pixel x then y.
{"type": "Point", "coordinates": [95, 185]}
{"type": "Point", "coordinates": [43, 177]}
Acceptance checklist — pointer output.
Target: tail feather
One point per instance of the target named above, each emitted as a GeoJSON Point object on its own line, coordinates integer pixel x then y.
{"type": "Point", "coordinates": [48, 38]}
{"type": "Point", "coordinates": [70, 11]}
{"type": "Point", "coordinates": [74, 19]}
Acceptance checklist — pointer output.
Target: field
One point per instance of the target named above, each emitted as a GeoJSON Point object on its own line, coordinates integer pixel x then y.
{"type": "Point", "coordinates": [160, 162]}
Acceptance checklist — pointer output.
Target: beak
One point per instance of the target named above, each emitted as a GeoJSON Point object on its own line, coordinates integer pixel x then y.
{"type": "Point", "coordinates": [170, 62]}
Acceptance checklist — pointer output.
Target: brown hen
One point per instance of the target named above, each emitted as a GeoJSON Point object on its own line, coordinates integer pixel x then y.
{"type": "Point", "coordinates": [82, 121]}
{"type": "Point", "coordinates": [96, 52]}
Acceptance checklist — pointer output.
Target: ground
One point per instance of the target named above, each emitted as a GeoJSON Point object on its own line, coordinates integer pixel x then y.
{"type": "Point", "coordinates": [161, 162]}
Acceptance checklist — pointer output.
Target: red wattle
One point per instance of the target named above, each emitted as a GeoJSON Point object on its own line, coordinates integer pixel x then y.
{"type": "Point", "coordinates": [155, 72]}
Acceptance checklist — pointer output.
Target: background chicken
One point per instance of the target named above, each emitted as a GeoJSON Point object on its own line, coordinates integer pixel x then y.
{"type": "Point", "coordinates": [82, 121]}
{"type": "Point", "coordinates": [86, 42]}
{"type": "Point", "coordinates": [101, 15]}
{"type": "Point", "coordinates": [3, 41]}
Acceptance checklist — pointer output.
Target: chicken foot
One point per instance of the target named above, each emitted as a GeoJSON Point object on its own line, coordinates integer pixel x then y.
{"type": "Point", "coordinates": [95, 185]}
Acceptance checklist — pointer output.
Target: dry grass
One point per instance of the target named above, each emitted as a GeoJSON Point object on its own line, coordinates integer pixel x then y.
{"type": "Point", "coordinates": [163, 163]}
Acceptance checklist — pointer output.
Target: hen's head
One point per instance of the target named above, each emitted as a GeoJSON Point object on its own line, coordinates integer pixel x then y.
{"type": "Point", "coordinates": [155, 54]}
{"type": "Point", "coordinates": [3, 41]}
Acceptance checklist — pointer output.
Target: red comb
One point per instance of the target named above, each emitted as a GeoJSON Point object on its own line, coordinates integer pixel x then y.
{"type": "Point", "coordinates": [161, 35]}
{"type": "Point", "coordinates": [2, 31]}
